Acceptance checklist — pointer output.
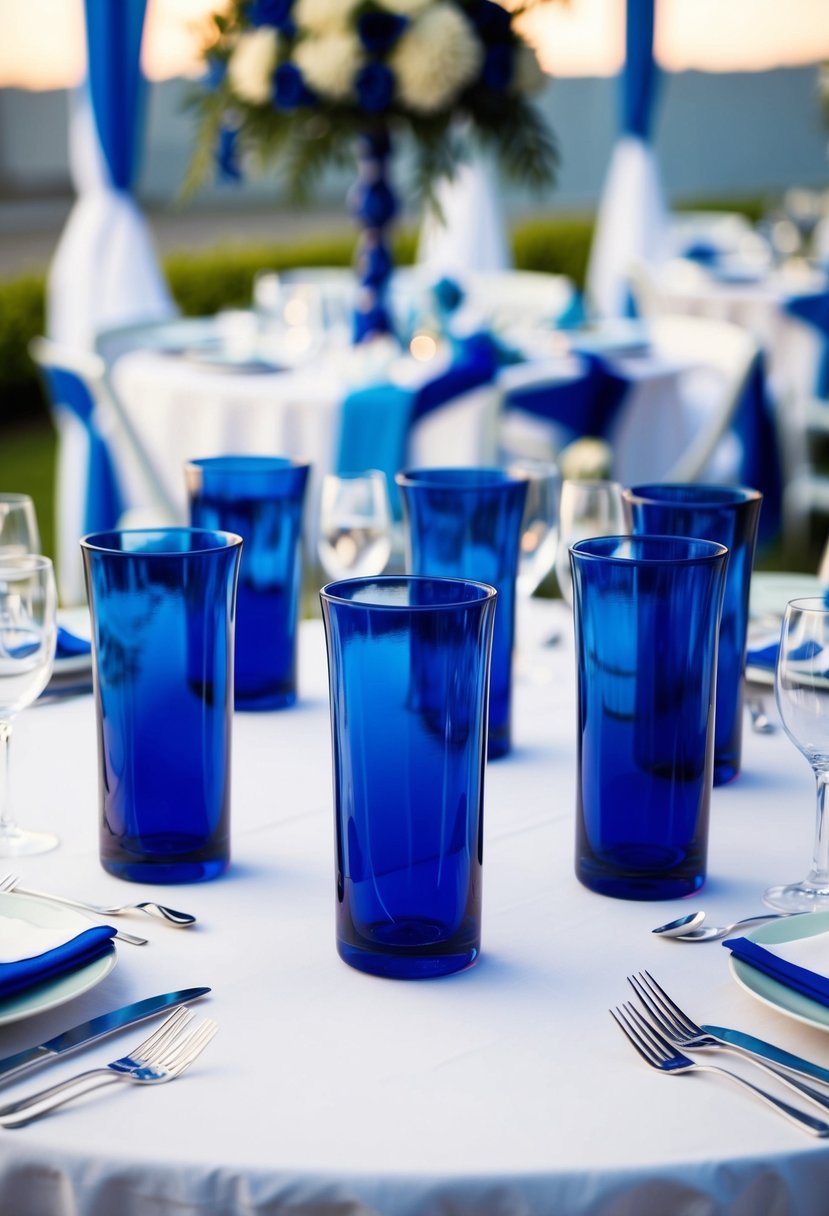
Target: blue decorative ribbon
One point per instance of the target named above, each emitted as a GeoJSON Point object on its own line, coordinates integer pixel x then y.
{"type": "Point", "coordinates": [640, 76]}
{"type": "Point", "coordinates": [104, 503]}
{"type": "Point", "coordinates": [116, 86]}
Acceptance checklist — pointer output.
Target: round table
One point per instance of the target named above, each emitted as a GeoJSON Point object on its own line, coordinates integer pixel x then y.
{"type": "Point", "coordinates": [504, 1089]}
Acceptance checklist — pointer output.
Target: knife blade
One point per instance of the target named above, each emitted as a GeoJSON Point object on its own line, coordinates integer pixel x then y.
{"type": "Point", "coordinates": [95, 1028]}
{"type": "Point", "coordinates": [767, 1051]}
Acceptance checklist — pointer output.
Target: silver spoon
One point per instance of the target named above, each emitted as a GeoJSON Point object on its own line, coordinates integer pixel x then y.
{"type": "Point", "coordinates": [181, 920]}
{"type": "Point", "coordinates": [760, 722]}
{"type": "Point", "coordinates": [685, 928]}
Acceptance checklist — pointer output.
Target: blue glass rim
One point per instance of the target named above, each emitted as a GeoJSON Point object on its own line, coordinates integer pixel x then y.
{"type": "Point", "coordinates": [673, 550]}
{"type": "Point", "coordinates": [160, 542]}
{"type": "Point", "coordinates": [244, 464]}
{"type": "Point", "coordinates": [466, 592]}
{"type": "Point", "coordinates": [461, 477]}
{"type": "Point", "coordinates": [690, 494]}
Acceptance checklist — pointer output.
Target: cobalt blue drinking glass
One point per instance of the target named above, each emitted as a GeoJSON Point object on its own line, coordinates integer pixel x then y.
{"type": "Point", "coordinates": [466, 523]}
{"type": "Point", "coordinates": [728, 515]}
{"type": "Point", "coordinates": [162, 605]}
{"type": "Point", "coordinates": [647, 614]}
{"type": "Point", "coordinates": [260, 498]}
{"type": "Point", "coordinates": [408, 666]}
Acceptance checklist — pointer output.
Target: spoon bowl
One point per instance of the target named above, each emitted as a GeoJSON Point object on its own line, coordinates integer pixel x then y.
{"type": "Point", "coordinates": [680, 927]}
{"type": "Point", "coordinates": [690, 928]}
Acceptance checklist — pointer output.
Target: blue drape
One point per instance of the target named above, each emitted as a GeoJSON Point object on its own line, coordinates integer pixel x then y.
{"type": "Point", "coordinates": [113, 35]}
{"type": "Point", "coordinates": [640, 76]}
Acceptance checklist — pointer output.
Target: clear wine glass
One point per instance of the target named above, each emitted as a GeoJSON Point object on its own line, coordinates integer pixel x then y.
{"type": "Point", "coordinates": [18, 525]}
{"type": "Point", "coordinates": [28, 633]}
{"type": "Point", "coordinates": [801, 689]}
{"type": "Point", "coordinates": [586, 508]}
{"type": "Point", "coordinates": [539, 529]}
{"type": "Point", "coordinates": [355, 524]}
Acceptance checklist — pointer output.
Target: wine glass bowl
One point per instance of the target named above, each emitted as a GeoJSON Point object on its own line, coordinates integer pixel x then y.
{"type": "Point", "coordinates": [539, 529]}
{"type": "Point", "coordinates": [28, 634]}
{"type": "Point", "coordinates": [586, 509]}
{"type": "Point", "coordinates": [801, 689]}
{"type": "Point", "coordinates": [354, 525]}
{"type": "Point", "coordinates": [18, 525]}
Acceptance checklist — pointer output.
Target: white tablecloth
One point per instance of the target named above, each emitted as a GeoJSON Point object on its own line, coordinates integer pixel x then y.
{"type": "Point", "coordinates": [503, 1090]}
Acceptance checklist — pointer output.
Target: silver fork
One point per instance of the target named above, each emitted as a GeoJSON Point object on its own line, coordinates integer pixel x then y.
{"type": "Point", "coordinates": [180, 920]}
{"type": "Point", "coordinates": [162, 1057]}
{"type": "Point", "coordinates": [658, 1053]}
{"type": "Point", "coordinates": [677, 1028]}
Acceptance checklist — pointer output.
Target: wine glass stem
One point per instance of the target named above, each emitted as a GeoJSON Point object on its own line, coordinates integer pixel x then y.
{"type": "Point", "coordinates": [6, 820]}
{"type": "Point", "coordinates": [819, 875]}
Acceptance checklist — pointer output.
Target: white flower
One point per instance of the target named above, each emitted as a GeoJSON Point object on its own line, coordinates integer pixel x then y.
{"type": "Point", "coordinates": [330, 63]}
{"type": "Point", "coordinates": [251, 65]}
{"type": "Point", "coordinates": [407, 8]}
{"type": "Point", "coordinates": [437, 56]}
{"type": "Point", "coordinates": [528, 75]}
{"type": "Point", "coordinates": [323, 16]}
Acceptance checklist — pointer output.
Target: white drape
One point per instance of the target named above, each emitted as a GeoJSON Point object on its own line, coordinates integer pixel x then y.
{"type": "Point", "coordinates": [631, 226]}
{"type": "Point", "coordinates": [104, 272]}
{"type": "Point", "coordinates": [472, 235]}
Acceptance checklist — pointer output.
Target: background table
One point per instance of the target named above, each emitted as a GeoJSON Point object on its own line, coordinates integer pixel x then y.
{"type": "Point", "coordinates": [501, 1090]}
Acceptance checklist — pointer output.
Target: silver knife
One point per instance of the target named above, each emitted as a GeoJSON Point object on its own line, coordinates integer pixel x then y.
{"type": "Point", "coordinates": [767, 1051]}
{"type": "Point", "coordinates": [96, 1028]}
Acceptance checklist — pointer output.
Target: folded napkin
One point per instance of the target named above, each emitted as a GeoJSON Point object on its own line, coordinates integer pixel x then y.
{"type": "Point", "coordinates": [766, 656]}
{"type": "Point", "coordinates": [802, 965]}
{"type": "Point", "coordinates": [70, 646]}
{"type": "Point", "coordinates": [32, 954]}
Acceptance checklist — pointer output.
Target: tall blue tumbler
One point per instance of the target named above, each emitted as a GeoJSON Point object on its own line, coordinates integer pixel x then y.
{"type": "Point", "coordinates": [408, 665]}
{"type": "Point", "coordinates": [260, 498]}
{"type": "Point", "coordinates": [728, 515]}
{"type": "Point", "coordinates": [647, 614]}
{"type": "Point", "coordinates": [162, 605]}
{"type": "Point", "coordinates": [466, 523]}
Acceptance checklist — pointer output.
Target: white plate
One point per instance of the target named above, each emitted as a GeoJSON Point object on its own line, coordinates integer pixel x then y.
{"type": "Point", "coordinates": [769, 991]}
{"type": "Point", "coordinates": [66, 987]}
{"type": "Point", "coordinates": [771, 591]}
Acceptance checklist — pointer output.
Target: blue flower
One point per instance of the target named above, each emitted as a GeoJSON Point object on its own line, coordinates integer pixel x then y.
{"type": "Point", "coordinates": [290, 91]}
{"type": "Point", "coordinates": [493, 23]}
{"type": "Point", "coordinates": [374, 85]}
{"type": "Point", "coordinates": [227, 155]}
{"type": "Point", "coordinates": [496, 73]}
{"type": "Point", "coordinates": [378, 31]}
{"type": "Point", "coordinates": [448, 295]}
{"type": "Point", "coordinates": [216, 71]}
{"type": "Point", "coordinates": [272, 12]}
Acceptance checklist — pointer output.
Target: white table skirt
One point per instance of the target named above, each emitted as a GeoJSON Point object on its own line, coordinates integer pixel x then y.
{"type": "Point", "coordinates": [503, 1090]}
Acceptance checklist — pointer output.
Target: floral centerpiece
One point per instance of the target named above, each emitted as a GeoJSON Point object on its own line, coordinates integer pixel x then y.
{"type": "Point", "coordinates": [303, 84]}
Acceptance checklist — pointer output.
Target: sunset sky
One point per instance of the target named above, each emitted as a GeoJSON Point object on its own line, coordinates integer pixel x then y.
{"type": "Point", "coordinates": [43, 46]}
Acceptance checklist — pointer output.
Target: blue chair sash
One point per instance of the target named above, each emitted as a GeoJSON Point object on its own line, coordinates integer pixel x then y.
{"type": "Point", "coordinates": [104, 503]}
{"type": "Point", "coordinates": [813, 308]}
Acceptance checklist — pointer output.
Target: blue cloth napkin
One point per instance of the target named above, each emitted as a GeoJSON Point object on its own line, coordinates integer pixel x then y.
{"type": "Point", "coordinates": [27, 972]}
{"type": "Point", "coordinates": [799, 979]}
{"type": "Point", "coordinates": [586, 406]}
{"type": "Point", "coordinates": [70, 646]}
{"type": "Point", "coordinates": [766, 656]}
{"type": "Point", "coordinates": [760, 466]}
